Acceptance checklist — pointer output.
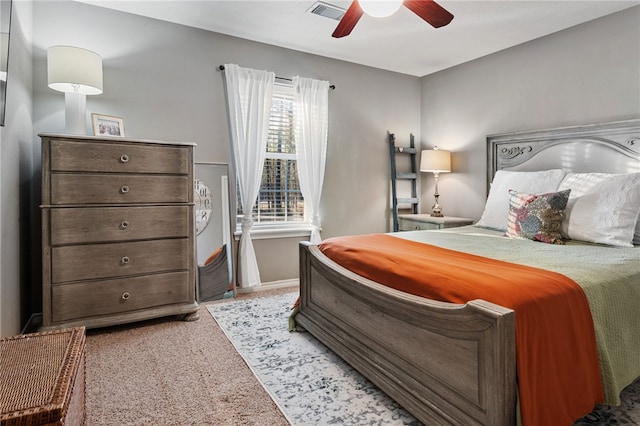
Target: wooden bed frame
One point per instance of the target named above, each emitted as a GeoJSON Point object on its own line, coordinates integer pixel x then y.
{"type": "Point", "coordinates": [448, 364]}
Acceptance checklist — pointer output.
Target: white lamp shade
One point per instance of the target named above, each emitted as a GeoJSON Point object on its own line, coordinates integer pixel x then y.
{"type": "Point", "coordinates": [380, 8]}
{"type": "Point", "coordinates": [435, 160]}
{"type": "Point", "coordinates": [72, 69]}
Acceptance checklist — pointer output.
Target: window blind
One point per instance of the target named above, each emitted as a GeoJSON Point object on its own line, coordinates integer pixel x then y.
{"type": "Point", "coordinates": [280, 199]}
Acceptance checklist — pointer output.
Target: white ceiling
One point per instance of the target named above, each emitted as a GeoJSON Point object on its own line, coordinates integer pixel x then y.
{"type": "Point", "coordinates": [402, 43]}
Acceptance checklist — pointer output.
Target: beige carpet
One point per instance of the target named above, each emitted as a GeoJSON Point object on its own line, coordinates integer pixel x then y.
{"type": "Point", "coordinates": [168, 372]}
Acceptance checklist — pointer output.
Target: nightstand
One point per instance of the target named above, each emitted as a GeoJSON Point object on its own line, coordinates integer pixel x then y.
{"type": "Point", "coordinates": [413, 222]}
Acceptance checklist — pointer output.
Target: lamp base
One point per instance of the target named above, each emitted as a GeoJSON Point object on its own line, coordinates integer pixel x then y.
{"type": "Point", "coordinates": [74, 113]}
{"type": "Point", "coordinates": [436, 210]}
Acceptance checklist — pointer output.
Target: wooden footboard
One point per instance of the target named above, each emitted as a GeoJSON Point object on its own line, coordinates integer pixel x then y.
{"type": "Point", "coordinates": [447, 364]}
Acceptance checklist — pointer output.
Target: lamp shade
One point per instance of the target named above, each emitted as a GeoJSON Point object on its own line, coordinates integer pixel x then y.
{"type": "Point", "coordinates": [72, 69]}
{"type": "Point", "coordinates": [380, 8]}
{"type": "Point", "coordinates": [435, 160]}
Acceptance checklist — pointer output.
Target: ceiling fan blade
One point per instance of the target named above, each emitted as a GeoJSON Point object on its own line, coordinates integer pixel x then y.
{"type": "Point", "coordinates": [349, 20]}
{"type": "Point", "coordinates": [430, 11]}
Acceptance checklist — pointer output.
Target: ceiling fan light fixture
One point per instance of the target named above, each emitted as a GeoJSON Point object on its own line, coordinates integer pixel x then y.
{"type": "Point", "coordinates": [380, 8]}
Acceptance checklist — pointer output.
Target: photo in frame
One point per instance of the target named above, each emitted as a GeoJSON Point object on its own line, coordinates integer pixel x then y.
{"type": "Point", "coordinates": [107, 125]}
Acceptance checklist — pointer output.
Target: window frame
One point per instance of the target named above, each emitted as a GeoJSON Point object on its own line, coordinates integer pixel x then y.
{"type": "Point", "coordinates": [278, 229]}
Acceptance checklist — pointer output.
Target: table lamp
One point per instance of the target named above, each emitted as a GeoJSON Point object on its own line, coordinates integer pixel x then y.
{"type": "Point", "coordinates": [436, 161]}
{"type": "Point", "coordinates": [76, 72]}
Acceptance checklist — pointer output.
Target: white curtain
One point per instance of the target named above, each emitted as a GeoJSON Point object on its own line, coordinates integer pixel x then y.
{"type": "Point", "coordinates": [249, 97]}
{"type": "Point", "coordinates": [311, 123]}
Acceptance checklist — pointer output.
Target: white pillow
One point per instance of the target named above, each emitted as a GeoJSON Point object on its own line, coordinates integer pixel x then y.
{"type": "Point", "coordinates": [603, 208]}
{"type": "Point", "coordinates": [581, 183]}
{"type": "Point", "coordinates": [496, 209]}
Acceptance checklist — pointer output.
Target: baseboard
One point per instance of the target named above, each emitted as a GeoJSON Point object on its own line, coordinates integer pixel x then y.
{"type": "Point", "coordinates": [293, 283]}
{"type": "Point", "coordinates": [33, 324]}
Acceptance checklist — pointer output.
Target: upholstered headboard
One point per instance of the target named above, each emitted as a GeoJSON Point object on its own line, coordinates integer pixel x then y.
{"type": "Point", "coordinates": [607, 148]}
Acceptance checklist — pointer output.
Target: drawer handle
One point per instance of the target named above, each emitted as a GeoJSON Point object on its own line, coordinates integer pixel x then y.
{"type": "Point", "coordinates": [124, 158]}
{"type": "Point", "coordinates": [124, 224]}
{"type": "Point", "coordinates": [125, 260]}
{"type": "Point", "coordinates": [124, 189]}
{"type": "Point", "coordinates": [126, 295]}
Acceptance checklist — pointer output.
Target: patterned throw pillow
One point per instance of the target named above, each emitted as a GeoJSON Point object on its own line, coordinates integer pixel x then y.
{"type": "Point", "coordinates": [537, 217]}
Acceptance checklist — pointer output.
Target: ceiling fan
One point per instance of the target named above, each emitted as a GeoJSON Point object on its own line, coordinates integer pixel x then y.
{"type": "Point", "coordinates": [428, 10]}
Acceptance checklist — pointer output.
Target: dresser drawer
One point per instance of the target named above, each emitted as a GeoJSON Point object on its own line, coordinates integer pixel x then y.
{"type": "Point", "coordinates": [79, 300]}
{"type": "Point", "coordinates": [94, 261]}
{"type": "Point", "coordinates": [119, 189]}
{"type": "Point", "coordinates": [70, 156]}
{"type": "Point", "coordinates": [77, 225]}
{"type": "Point", "coordinates": [416, 222]}
{"type": "Point", "coordinates": [410, 225]}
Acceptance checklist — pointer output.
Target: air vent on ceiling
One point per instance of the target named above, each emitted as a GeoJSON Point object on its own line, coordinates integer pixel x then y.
{"type": "Point", "coordinates": [327, 10]}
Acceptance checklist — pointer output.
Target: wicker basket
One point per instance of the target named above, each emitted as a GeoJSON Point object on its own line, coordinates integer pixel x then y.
{"type": "Point", "coordinates": [42, 378]}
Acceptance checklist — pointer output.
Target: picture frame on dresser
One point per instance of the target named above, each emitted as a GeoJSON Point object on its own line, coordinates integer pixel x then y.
{"type": "Point", "coordinates": [107, 125]}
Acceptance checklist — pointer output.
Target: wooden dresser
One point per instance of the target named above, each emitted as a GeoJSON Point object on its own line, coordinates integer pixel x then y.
{"type": "Point", "coordinates": [117, 230]}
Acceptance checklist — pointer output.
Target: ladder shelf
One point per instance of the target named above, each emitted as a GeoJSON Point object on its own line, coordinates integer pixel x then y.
{"type": "Point", "coordinates": [411, 176]}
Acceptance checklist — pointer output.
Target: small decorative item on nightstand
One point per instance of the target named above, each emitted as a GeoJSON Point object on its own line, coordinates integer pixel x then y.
{"type": "Point", "coordinates": [414, 222]}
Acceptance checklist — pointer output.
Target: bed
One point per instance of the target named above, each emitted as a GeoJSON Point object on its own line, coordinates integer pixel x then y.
{"type": "Point", "coordinates": [455, 363]}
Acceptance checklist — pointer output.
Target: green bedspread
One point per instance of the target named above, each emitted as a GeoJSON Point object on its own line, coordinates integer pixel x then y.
{"type": "Point", "coordinates": [609, 276]}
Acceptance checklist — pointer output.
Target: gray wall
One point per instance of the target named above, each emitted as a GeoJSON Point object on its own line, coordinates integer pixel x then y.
{"type": "Point", "coordinates": [586, 74]}
{"type": "Point", "coordinates": [16, 170]}
{"type": "Point", "coordinates": [162, 79]}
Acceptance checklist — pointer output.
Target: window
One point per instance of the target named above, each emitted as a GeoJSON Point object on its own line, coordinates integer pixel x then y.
{"type": "Point", "coordinates": [280, 200]}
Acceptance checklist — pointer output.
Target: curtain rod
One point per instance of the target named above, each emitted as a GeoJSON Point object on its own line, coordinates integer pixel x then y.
{"type": "Point", "coordinates": [332, 87]}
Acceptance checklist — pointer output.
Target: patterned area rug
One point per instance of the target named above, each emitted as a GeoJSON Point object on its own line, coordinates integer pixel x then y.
{"type": "Point", "coordinates": [627, 413]}
{"type": "Point", "coordinates": [312, 386]}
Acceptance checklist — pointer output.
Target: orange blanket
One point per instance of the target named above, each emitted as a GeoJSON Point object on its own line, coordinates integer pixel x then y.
{"type": "Point", "coordinates": [557, 362]}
